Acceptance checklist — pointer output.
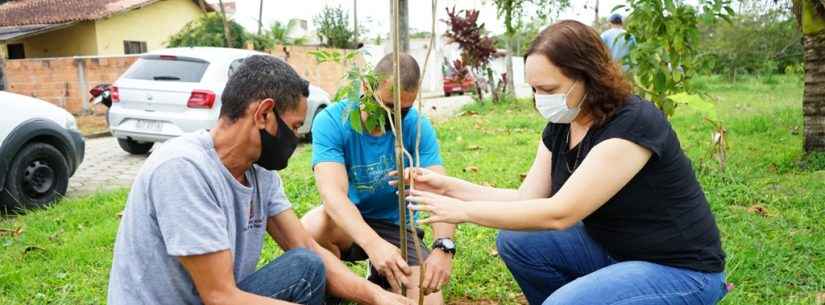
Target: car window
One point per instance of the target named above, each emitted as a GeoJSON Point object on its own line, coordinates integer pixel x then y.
{"type": "Point", "coordinates": [167, 68]}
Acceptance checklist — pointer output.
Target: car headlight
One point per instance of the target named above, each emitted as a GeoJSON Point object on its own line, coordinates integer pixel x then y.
{"type": "Point", "coordinates": [71, 123]}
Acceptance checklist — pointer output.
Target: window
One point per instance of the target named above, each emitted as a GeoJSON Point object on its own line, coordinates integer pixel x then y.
{"type": "Point", "coordinates": [134, 47]}
{"type": "Point", "coordinates": [167, 68]}
{"type": "Point", "coordinates": [16, 51]}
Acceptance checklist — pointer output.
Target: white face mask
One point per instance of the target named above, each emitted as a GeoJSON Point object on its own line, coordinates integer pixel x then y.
{"type": "Point", "coordinates": [553, 107]}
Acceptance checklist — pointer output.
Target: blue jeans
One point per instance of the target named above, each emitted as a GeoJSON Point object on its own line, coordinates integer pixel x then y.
{"type": "Point", "coordinates": [297, 276]}
{"type": "Point", "coordinates": [568, 267]}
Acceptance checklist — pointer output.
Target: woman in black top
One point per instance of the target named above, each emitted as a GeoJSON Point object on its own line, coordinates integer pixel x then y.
{"type": "Point", "coordinates": [610, 211]}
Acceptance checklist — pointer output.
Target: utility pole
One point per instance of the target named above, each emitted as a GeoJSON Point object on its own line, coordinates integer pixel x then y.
{"type": "Point", "coordinates": [355, 20]}
{"type": "Point", "coordinates": [260, 17]}
{"type": "Point", "coordinates": [403, 24]}
{"type": "Point", "coordinates": [227, 35]}
{"type": "Point", "coordinates": [596, 18]}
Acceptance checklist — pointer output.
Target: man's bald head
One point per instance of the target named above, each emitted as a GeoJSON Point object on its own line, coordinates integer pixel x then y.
{"type": "Point", "coordinates": [410, 72]}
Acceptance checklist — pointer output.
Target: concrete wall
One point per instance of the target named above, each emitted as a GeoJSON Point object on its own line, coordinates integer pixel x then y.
{"type": "Point", "coordinates": [153, 24]}
{"type": "Point", "coordinates": [63, 81]}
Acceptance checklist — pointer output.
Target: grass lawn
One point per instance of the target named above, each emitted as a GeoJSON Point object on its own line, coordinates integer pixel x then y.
{"type": "Point", "coordinates": [768, 203]}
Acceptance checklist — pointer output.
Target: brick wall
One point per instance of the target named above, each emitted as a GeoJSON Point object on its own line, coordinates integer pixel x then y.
{"type": "Point", "coordinates": [58, 80]}
{"type": "Point", "coordinates": [328, 75]}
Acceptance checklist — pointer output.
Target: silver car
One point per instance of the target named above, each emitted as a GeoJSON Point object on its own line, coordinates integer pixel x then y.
{"type": "Point", "coordinates": [169, 92]}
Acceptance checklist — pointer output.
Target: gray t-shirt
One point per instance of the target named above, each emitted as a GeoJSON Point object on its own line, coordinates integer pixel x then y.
{"type": "Point", "coordinates": [186, 202]}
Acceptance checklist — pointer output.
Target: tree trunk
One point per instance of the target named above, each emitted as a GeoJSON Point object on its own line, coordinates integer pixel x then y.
{"type": "Point", "coordinates": [227, 35]}
{"type": "Point", "coordinates": [508, 61]}
{"type": "Point", "coordinates": [813, 103]}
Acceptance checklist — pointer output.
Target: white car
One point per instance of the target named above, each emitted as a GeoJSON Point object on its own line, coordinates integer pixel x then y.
{"type": "Point", "coordinates": [41, 148]}
{"type": "Point", "coordinates": [169, 92]}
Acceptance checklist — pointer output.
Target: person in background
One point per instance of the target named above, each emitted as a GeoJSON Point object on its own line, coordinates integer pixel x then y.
{"type": "Point", "coordinates": [615, 40]}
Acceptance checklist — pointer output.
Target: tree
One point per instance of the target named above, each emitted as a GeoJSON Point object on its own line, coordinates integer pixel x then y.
{"type": "Point", "coordinates": [207, 31]}
{"type": "Point", "coordinates": [512, 11]}
{"type": "Point", "coordinates": [811, 16]}
{"type": "Point", "coordinates": [278, 32]}
{"type": "Point", "coordinates": [757, 40]}
{"type": "Point", "coordinates": [477, 48]}
{"type": "Point", "coordinates": [333, 30]}
{"type": "Point", "coordinates": [665, 58]}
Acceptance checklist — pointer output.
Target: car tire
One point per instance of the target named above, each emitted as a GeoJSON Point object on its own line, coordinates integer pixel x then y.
{"type": "Point", "coordinates": [39, 175]}
{"type": "Point", "coordinates": [308, 136]}
{"type": "Point", "coordinates": [447, 94]}
{"type": "Point", "coordinates": [134, 147]}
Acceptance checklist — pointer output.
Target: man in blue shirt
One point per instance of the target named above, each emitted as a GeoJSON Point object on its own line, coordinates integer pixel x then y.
{"type": "Point", "coordinates": [614, 39]}
{"type": "Point", "coordinates": [359, 218]}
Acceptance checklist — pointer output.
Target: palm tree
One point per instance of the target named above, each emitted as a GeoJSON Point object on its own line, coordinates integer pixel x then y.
{"type": "Point", "coordinates": [811, 16]}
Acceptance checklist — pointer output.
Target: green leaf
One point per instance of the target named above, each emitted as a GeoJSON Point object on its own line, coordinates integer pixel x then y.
{"type": "Point", "coordinates": [660, 82]}
{"type": "Point", "coordinates": [355, 120]}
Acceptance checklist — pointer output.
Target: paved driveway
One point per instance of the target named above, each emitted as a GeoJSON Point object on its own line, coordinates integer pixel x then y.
{"type": "Point", "coordinates": [105, 167]}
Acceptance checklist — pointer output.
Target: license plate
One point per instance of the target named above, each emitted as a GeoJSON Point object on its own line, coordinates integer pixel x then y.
{"type": "Point", "coordinates": [149, 125]}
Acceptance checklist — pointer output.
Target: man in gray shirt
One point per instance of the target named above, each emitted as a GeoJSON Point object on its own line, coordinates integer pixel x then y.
{"type": "Point", "coordinates": [195, 219]}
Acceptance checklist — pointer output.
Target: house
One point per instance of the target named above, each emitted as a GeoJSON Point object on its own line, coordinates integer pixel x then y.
{"type": "Point", "coordinates": [60, 28]}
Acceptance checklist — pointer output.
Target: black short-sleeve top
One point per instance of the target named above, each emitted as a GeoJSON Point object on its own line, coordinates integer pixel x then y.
{"type": "Point", "coordinates": [661, 215]}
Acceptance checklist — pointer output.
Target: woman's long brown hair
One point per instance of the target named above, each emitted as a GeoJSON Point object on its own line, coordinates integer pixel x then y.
{"type": "Point", "coordinates": [582, 56]}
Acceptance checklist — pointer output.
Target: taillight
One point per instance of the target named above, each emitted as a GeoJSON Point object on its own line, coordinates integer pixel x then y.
{"type": "Point", "coordinates": [115, 94]}
{"type": "Point", "coordinates": [201, 99]}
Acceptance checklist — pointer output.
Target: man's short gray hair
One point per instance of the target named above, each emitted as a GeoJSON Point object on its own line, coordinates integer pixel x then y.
{"type": "Point", "coordinates": [258, 78]}
{"type": "Point", "coordinates": [410, 73]}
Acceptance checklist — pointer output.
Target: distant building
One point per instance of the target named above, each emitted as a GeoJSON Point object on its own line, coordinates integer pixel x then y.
{"type": "Point", "coordinates": [58, 28]}
{"type": "Point", "coordinates": [228, 7]}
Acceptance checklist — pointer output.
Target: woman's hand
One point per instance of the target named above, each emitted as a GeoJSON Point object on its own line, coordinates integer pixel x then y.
{"type": "Point", "coordinates": [442, 209]}
{"type": "Point", "coordinates": [425, 180]}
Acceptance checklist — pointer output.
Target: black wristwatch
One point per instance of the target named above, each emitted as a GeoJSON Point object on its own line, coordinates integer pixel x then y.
{"type": "Point", "coordinates": [445, 244]}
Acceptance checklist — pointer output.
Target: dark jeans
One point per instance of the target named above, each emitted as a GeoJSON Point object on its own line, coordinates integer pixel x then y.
{"type": "Point", "coordinates": [568, 267]}
{"type": "Point", "coordinates": [297, 276]}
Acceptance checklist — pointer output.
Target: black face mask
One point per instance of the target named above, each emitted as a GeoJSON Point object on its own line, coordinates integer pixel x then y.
{"type": "Point", "coordinates": [276, 150]}
{"type": "Point", "coordinates": [404, 112]}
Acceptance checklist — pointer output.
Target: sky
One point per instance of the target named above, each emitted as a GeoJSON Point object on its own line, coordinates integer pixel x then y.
{"type": "Point", "coordinates": [374, 14]}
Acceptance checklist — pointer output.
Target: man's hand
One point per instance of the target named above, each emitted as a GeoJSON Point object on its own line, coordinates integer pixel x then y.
{"type": "Point", "coordinates": [386, 258]}
{"type": "Point", "coordinates": [439, 266]}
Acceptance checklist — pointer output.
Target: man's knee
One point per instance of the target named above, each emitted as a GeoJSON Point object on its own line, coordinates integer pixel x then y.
{"type": "Point", "coordinates": [310, 262]}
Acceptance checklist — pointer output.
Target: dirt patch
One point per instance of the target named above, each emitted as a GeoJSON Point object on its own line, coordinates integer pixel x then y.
{"type": "Point", "coordinates": [92, 124]}
{"type": "Point", "coordinates": [466, 301]}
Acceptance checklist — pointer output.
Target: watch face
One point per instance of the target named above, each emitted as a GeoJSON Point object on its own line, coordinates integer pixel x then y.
{"type": "Point", "coordinates": [449, 244]}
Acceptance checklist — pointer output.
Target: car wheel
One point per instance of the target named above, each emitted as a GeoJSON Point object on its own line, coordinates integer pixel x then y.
{"type": "Point", "coordinates": [308, 136]}
{"type": "Point", "coordinates": [38, 175]}
{"type": "Point", "coordinates": [447, 94]}
{"type": "Point", "coordinates": [134, 147]}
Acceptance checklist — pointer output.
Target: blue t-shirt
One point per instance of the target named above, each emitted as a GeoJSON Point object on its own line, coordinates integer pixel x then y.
{"type": "Point", "coordinates": [619, 48]}
{"type": "Point", "coordinates": [368, 159]}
